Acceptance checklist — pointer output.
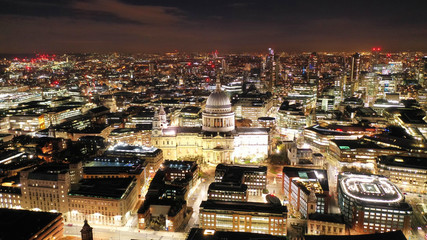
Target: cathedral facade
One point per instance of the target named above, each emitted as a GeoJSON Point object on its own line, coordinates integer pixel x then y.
{"type": "Point", "coordinates": [217, 141]}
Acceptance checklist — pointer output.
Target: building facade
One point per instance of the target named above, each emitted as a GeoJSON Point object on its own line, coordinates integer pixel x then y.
{"type": "Point", "coordinates": [243, 217]}
{"type": "Point", "coordinates": [103, 201]}
{"type": "Point", "coordinates": [409, 173]}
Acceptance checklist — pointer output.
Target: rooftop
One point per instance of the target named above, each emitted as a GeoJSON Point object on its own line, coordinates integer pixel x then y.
{"type": "Point", "coordinates": [136, 149]}
{"type": "Point", "coordinates": [23, 224]}
{"type": "Point", "coordinates": [203, 234]}
{"type": "Point", "coordinates": [99, 167]}
{"type": "Point", "coordinates": [414, 161]}
{"type": "Point", "coordinates": [310, 178]}
{"type": "Point", "coordinates": [396, 235]}
{"type": "Point", "coordinates": [179, 165]}
{"type": "Point", "coordinates": [333, 218]}
{"type": "Point", "coordinates": [113, 188]}
{"type": "Point", "coordinates": [370, 189]}
{"type": "Point", "coordinates": [191, 109]}
{"type": "Point", "coordinates": [244, 207]}
{"type": "Point", "coordinates": [48, 172]}
{"type": "Point", "coordinates": [228, 187]}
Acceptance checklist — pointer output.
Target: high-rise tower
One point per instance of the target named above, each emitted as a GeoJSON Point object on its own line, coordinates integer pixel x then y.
{"type": "Point", "coordinates": [354, 74]}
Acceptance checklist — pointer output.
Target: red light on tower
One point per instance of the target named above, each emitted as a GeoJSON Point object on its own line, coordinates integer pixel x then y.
{"type": "Point", "coordinates": [378, 49]}
{"type": "Point", "coordinates": [374, 49]}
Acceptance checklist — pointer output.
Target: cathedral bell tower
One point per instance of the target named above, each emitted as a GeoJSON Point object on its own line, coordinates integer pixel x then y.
{"type": "Point", "coordinates": [159, 121]}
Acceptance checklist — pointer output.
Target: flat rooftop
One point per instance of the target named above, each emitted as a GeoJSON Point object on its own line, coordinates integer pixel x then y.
{"type": "Point", "coordinates": [326, 131]}
{"type": "Point", "coordinates": [228, 187]}
{"type": "Point", "coordinates": [370, 188]}
{"type": "Point", "coordinates": [355, 144]}
{"type": "Point", "coordinates": [334, 218]}
{"type": "Point", "coordinates": [204, 234]}
{"type": "Point", "coordinates": [396, 235]}
{"type": "Point", "coordinates": [23, 224]}
{"type": "Point", "coordinates": [243, 207]}
{"type": "Point", "coordinates": [309, 177]}
{"type": "Point", "coordinates": [179, 165]}
{"type": "Point", "coordinates": [113, 188]}
{"type": "Point", "coordinates": [415, 161]}
{"type": "Point", "coordinates": [132, 150]}
{"type": "Point", "coordinates": [191, 109]}
{"type": "Point", "coordinates": [48, 172]}
{"type": "Point", "coordinates": [245, 168]}
{"type": "Point", "coordinates": [97, 167]}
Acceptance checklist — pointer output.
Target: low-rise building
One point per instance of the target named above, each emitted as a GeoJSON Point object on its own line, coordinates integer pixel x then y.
{"type": "Point", "coordinates": [228, 192]}
{"type": "Point", "coordinates": [326, 224]}
{"type": "Point", "coordinates": [307, 190]}
{"type": "Point", "coordinates": [103, 201]}
{"type": "Point", "coordinates": [28, 123]}
{"type": "Point", "coordinates": [408, 172]}
{"type": "Point", "coordinates": [162, 214]}
{"type": "Point", "coordinates": [45, 188]}
{"type": "Point", "coordinates": [251, 217]}
{"type": "Point", "coordinates": [255, 177]}
{"type": "Point", "coordinates": [360, 152]}
{"type": "Point", "coordinates": [107, 169]}
{"type": "Point", "coordinates": [153, 156]}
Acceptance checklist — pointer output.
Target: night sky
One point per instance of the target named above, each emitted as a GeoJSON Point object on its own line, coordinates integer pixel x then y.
{"type": "Point", "coordinates": [28, 26]}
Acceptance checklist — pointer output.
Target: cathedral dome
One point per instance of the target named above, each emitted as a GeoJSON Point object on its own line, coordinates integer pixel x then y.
{"type": "Point", "coordinates": [218, 116]}
{"type": "Point", "coordinates": [218, 99]}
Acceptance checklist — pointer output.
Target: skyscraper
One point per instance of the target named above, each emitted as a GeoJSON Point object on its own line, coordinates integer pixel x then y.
{"type": "Point", "coordinates": [355, 71]}
{"type": "Point", "coordinates": [272, 70]}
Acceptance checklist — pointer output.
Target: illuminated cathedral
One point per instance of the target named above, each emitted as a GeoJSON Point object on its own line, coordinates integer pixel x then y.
{"type": "Point", "coordinates": [217, 141]}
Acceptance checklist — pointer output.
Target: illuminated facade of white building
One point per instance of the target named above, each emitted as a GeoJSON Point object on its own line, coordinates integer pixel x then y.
{"type": "Point", "coordinates": [217, 141]}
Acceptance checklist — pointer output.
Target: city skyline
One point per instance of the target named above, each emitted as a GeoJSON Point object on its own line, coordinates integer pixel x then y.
{"type": "Point", "coordinates": [197, 120]}
{"type": "Point", "coordinates": [161, 26]}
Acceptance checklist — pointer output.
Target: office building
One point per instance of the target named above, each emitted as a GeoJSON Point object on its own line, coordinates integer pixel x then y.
{"type": "Point", "coordinates": [408, 172]}
{"type": "Point", "coordinates": [103, 201]}
{"type": "Point", "coordinates": [326, 224]}
{"type": "Point", "coordinates": [122, 152]}
{"type": "Point", "coordinates": [255, 177]}
{"type": "Point", "coordinates": [372, 204]}
{"type": "Point", "coordinates": [307, 190]}
{"type": "Point", "coordinates": [45, 188]}
{"type": "Point", "coordinates": [251, 217]}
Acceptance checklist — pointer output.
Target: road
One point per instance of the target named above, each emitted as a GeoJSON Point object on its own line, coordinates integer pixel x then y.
{"type": "Point", "coordinates": [124, 233]}
{"type": "Point", "coordinates": [195, 199]}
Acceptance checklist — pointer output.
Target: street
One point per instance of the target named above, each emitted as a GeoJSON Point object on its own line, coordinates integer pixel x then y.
{"type": "Point", "coordinates": [124, 233]}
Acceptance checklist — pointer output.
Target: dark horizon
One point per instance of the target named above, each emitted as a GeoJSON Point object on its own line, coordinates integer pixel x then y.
{"type": "Point", "coordinates": [131, 26]}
